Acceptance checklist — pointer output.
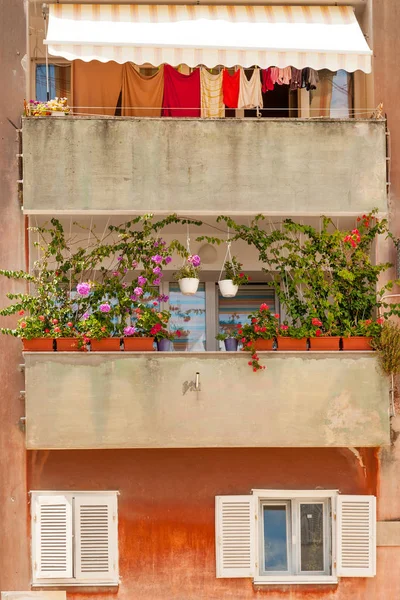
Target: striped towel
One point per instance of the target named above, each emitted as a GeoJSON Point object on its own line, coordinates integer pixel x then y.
{"type": "Point", "coordinates": [212, 104]}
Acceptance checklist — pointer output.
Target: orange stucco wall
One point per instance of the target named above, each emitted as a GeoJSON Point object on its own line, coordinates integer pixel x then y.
{"type": "Point", "coordinates": [166, 511]}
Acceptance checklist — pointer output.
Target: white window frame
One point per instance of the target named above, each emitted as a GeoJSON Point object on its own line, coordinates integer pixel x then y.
{"type": "Point", "coordinates": [108, 496]}
{"type": "Point", "coordinates": [295, 498]}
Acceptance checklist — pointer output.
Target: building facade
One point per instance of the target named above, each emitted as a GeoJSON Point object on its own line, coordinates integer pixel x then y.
{"type": "Point", "coordinates": [186, 476]}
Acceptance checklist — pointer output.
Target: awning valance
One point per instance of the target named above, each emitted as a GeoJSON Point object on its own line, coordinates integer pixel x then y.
{"type": "Point", "coordinates": [321, 37]}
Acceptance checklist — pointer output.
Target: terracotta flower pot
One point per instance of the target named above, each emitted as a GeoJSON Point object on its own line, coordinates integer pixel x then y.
{"type": "Point", "coordinates": [325, 343]}
{"type": "Point", "coordinates": [38, 345]}
{"type": "Point", "coordinates": [68, 345]}
{"type": "Point", "coordinates": [289, 343]}
{"type": "Point", "coordinates": [138, 344]}
{"type": "Point", "coordinates": [357, 343]}
{"type": "Point", "coordinates": [105, 345]}
{"type": "Point", "coordinates": [264, 344]}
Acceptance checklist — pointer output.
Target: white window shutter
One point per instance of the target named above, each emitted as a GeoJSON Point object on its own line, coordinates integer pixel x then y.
{"type": "Point", "coordinates": [96, 538]}
{"type": "Point", "coordinates": [51, 537]}
{"type": "Point", "coordinates": [235, 536]}
{"type": "Point", "coordinates": [356, 536]}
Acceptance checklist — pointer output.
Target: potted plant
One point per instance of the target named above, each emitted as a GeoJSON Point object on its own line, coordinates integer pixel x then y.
{"type": "Point", "coordinates": [188, 275]}
{"type": "Point", "coordinates": [359, 337]}
{"type": "Point", "coordinates": [322, 339]}
{"type": "Point", "coordinates": [259, 334]}
{"type": "Point", "coordinates": [234, 277]}
{"type": "Point", "coordinates": [291, 337]}
{"type": "Point", "coordinates": [229, 333]}
{"type": "Point", "coordinates": [180, 339]}
{"type": "Point", "coordinates": [163, 340]}
{"type": "Point", "coordinates": [67, 336]}
{"type": "Point", "coordinates": [57, 107]}
{"type": "Point", "coordinates": [97, 330]}
{"type": "Point", "coordinates": [36, 333]}
{"type": "Point", "coordinates": [148, 322]}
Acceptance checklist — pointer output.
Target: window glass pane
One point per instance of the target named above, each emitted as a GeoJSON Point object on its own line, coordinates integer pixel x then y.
{"type": "Point", "coordinates": [333, 96]}
{"type": "Point", "coordinates": [312, 537]}
{"type": "Point", "coordinates": [275, 538]}
{"type": "Point", "coordinates": [59, 82]}
{"type": "Point", "coordinates": [233, 311]}
{"type": "Point", "coordinates": [188, 315]}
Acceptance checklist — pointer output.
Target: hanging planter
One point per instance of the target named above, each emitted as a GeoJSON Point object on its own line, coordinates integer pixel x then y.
{"type": "Point", "coordinates": [111, 344]}
{"type": "Point", "coordinates": [189, 285]}
{"type": "Point", "coordinates": [138, 344]}
{"type": "Point", "coordinates": [38, 345]}
{"type": "Point", "coordinates": [227, 288]}
{"type": "Point", "coordinates": [357, 343]}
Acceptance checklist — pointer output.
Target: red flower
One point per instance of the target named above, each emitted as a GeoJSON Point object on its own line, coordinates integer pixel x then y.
{"type": "Point", "coordinates": [380, 320]}
{"type": "Point", "coordinates": [285, 327]}
{"type": "Point", "coordinates": [263, 329]}
{"type": "Point", "coordinates": [54, 321]}
{"type": "Point", "coordinates": [352, 242]}
{"type": "Point", "coordinates": [249, 278]}
{"type": "Point", "coordinates": [238, 326]}
{"type": "Point", "coordinates": [264, 307]}
{"type": "Point", "coordinates": [47, 330]}
{"type": "Point", "coordinates": [254, 369]}
{"type": "Point", "coordinates": [41, 318]}
{"type": "Point", "coordinates": [21, 312]}
{"type": "Point", "coordinates": [178, 333]}
{"type": "Point", "coordinates": [69, 324]}
{"type": "Point", "coordinates": [358, 219]}
{"type": "Point", "coordinates": [276, 315]}
{"type": "Point", "coordinates": [241, 275]}
{"type": "Point", "coordinates": [57, 329]}
{"type": "Point", "coordinates": [254, 321]}
{"type": "Point", "coordinates": [23, 324]}
{"type": "Point", "coordinates": [249, 344]}
{"type": "Point", "coordinates": [250, 363]}
{"type": "Point", "coordinates": [318, 332]}
{"type": "Point", "coordinates": [243, 340]}
{"type": "Point", "coordinates": [368, 322]}
{"type": "Point", "coordinates": [257, 328]}
{"type": "Point", "coordinates": [103, 329]}
{"type": "Point", "coordinates": [316, 322]}
{"type": "Point", "coordinates": [155, 303]}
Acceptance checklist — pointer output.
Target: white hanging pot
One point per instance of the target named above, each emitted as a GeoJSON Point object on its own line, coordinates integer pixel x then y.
{"type": "Point", "coordinates": [189, 285]}
{"type": "Point", "coordinates": [227, 288]}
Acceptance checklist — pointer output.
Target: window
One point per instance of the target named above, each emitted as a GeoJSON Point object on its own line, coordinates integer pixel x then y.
{"type": "Point", "coordinates": [188, 316]}
{"type": "Point", "coordinates": [74, 538]}
{"type": "Point", "coordinates": [333, 96]}
{"type": "Point", "coordinates": [282, 536]}
{"type": "Point", "coordinates": [59, 81]}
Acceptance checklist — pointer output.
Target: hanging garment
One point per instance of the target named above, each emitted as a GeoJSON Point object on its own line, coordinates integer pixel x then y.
{"type": "Point", "coordinates": [181, 93]}
{"type": "Point", "coordinates": [284, 76]}
{"type": "Point", "coordinates": [96, 84]}
{"type": "Point", "coordinates": [295, 79]}
{"type": "Point", "coordinates": [310, 79]}
{"type": "Point", "coordinates": [230, 88]}
{"type": "Point", "coordinates": [250, 95]}
{"type": "Point", "coordinates": [267, 83]}
{"type": "Point", "coordinates": [212, 103]}
{"type": "Point", "coordinates": [142, 95]}
{"type": "Point", "coordinates": [274, 74]}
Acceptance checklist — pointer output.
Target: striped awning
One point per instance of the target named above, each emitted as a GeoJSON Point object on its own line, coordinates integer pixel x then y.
{"type": "Point", "coordinates": [321, 37]}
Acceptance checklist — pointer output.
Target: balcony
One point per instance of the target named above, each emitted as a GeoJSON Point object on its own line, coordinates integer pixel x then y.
{"type": "Point", "coordinates": [281, 166]}
{"type": "Point", "coordinates": [148, 400]}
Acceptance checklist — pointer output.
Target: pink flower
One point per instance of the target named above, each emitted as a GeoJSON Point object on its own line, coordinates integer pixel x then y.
{"type": "Point", "coordinates": [142, 280]}
{"type": "Point", "coordinates": [168, 260]}
{"type": "Point", "coordinates": [284, 327]}
{"type": "Point", "coordinates": [129, 331]}
{"type": "Point", "coordinates": [316, 322]}
{"type": "Point", "coordinates": [157, 270]}
{"type": "Point", "coordinates": [195, 260]}
{"type": "Point", "coordinates": [21, 312]}
{"type": "Point", "coordinates": [380, 320]}
{"type": "Point", "coordinates": [83, 289]}
{"type": "Point", "coordinates": [264, 306]}
{"type": "Point", "coordinates": [156, 259]}
{"type": "Point", "coordinates": [157, 281]}
{"type": "Point", "coordinates": [105, 308]}
{"type": "Point", "coordinates": [138, 291]}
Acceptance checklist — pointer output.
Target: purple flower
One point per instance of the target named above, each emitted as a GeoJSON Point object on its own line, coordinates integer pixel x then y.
{"type": "Point", "coordinates": [156, 244]}
{"type": "Point", "coordinates": [124, 285]}
{"type": "Point", "coordinates": [85, 316]}
{"type": "Point", "coordinates": [141, 280]}
{"type": "Point", "coordinates": [157, 270]}
{"type": "Point", "coordinates": [138, 291]}
{"type": "Point", "coordinates": [133, 297]}
{"type": "Point", "coordinates": [157, 259]}
{"type": "Point", "coordinates": [168, 260]}
{"type": "Point", "coordinates": [195, 260]}
{"type": "Point", "coordinates": [105, 308]}
{"type": "Point", "coordinates": [120, 258]}
{"type": "Point", "coordinates": [129, 331]}
{"type": "Point", "coordinates": [83, 289]}
{"type": "Point", "coordinates": [157, 281]}
{"type": "Point", "coordinates": [125, 270]}
{"type": "Point", "coordinates": [163, 298]}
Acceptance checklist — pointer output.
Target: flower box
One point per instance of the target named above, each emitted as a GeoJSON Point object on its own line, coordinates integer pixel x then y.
{"type": "Point", "coordinates": [68, 345]}
{"type": "Point", "coordinates": [325, 343]}
{"type": "Point", "coordinates": [138, 344]}
{"type": "Point", "coordinates": [264, 344]}
{"type": "Point", "coordinates": [295, 344]}
{"type": "Point", "coordinates": [357, 343]}
{"type": "Point", "coordinates": [106, 345]}
{"type": "Point", "coordinates": [38, 345]}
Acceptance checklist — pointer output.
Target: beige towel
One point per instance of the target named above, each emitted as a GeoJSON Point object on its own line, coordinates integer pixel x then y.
{"type": "Point", "coordinates": [212, 104]}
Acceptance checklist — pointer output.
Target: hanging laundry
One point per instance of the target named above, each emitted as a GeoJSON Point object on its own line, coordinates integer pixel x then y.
{"type": "Point", "coordinates": [181, 93]}
{"type": "Point", "coordinates": [295, 79]}
{"type": "Point", "coordinates": [230, 88]}
{"type": "Point", "coordinates": [310, 79]}
{"type": "Point", "coordinates": [274, 74]}
{"type": "Point", "coordinates": [212, 103]}
{"type": "Point", "coordinates": [284, 76]}
{"type": "Point", "coordinates": [267, 83]}
{"type": "Point", "coordinates": [98, 85]}
{"type": "Point", "coordinates": [142, 95]}
{"type": "Point", "coordinates": [250, 95]}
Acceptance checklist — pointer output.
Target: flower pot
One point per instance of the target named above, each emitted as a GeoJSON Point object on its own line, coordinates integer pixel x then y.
{"type": "Point", "coordinates": [180, 345]}
{"type": "Point", "coordinates": [68, 345]}
{"type": "Point", "coordinates": [357, 343]}
{"type": "Point", "coordinates": [164, 345]}
{"type": "Point", "coordinates": [325, 343]}
{"type": "Point", "coordinates": [38, 345]}
{"type": "Point", "coordinates": [106, 345]}
{"type": "Point", "coordinates": [289, 343]}
{"type": "Point", "coordinates": [264, 344]}
{"type": "Point", "coordinates": [227, 288]}
{"type": "Point", "coordinates": [138, 344]}
{"type": "Point", "coordinates": [189, 285]}
{"type": "Point", "coordinates": [231, 344]}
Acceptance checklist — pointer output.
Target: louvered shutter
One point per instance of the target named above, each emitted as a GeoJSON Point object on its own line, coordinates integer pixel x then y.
{"type": "Point", "coordinates": [356, 536]}
{"type": "Point", "coordinates": [96, 538]}
{"type": "Point", "coordinates": [52, 537]}
{"type": "Point", "coordinates": [235, 536]}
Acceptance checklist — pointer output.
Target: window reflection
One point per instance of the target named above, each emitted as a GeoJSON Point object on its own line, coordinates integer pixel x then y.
{"type": "Point", "coordinates": [275, 538]}
{"type": "Point", "coordinates": [188, 316]}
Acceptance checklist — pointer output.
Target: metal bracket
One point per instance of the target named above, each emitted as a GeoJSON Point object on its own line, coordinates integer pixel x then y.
{"type": "Point", "coordinates": [22, 424]}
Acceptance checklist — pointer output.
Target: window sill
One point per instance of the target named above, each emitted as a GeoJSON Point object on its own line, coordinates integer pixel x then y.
{"type": "Point", "coordinates": [72, 584]}
{"type": "Point", "coordinates": [327, 580]}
